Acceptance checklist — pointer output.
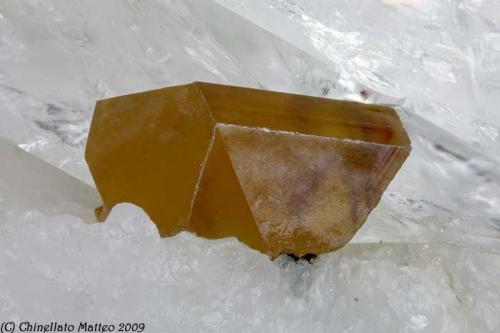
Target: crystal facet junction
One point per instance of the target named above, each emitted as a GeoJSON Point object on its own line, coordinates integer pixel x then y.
{"type": "Point", "coordinates": [283, 173]}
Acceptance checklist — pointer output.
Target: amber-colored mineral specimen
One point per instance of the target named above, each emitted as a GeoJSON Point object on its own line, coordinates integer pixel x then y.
{"type": "Point", "coordinates": [283, 173]}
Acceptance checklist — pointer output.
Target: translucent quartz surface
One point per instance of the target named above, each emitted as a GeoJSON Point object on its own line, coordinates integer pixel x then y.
{"type": "Point", "coordinates": [438, 60]}
{"type": "Point", "coordinates": [29, 182]}
{"type": "Point", "coordinates": [428, 51]}
{"type": "Point", "coordinates": [62, 269]}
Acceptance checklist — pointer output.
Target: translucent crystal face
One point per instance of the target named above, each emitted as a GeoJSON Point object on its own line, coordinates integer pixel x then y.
{"type": "Point", "coordinates": [27, 181]}
{"type": "Point", "coordinates": [281, 172]}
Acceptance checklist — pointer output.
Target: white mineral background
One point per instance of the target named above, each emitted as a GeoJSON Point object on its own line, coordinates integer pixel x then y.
{"type": "Point", "coordinates": [427, 259]}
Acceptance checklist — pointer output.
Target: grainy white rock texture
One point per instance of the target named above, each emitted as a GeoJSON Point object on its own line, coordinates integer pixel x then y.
{"type": "Point", "coordinates": [427, 259]}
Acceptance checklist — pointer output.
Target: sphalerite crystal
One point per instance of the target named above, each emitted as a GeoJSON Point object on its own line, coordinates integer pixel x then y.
{"type": "Point", "coordinates": [283, 173]}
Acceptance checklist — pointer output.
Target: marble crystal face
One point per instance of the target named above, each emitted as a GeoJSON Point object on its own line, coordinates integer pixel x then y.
{"type": "Point", "coordinates": [283, 173]}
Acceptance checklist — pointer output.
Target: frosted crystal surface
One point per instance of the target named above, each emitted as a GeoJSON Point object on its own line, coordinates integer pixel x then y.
{"type": "Point", "coordinates": [437, 268]}
{"type": "Point", "coordinates": [122, 270]}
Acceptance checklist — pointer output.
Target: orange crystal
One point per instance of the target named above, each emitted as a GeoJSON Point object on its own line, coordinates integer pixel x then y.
{"type": "Point", "coordinates": [283, 173]}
